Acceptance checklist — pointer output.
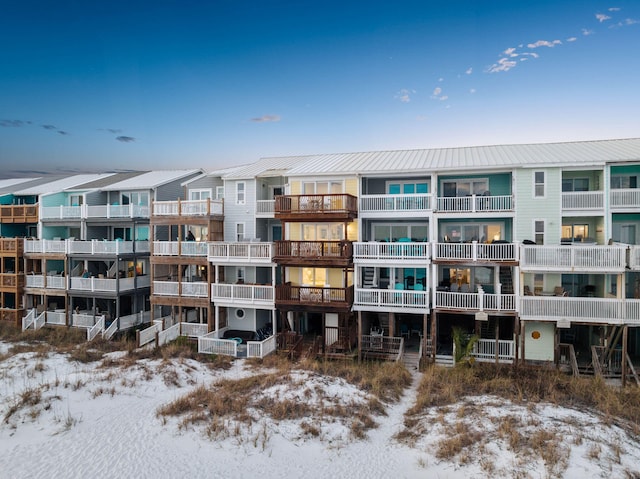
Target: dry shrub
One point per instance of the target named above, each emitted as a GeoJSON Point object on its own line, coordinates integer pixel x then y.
{"type": "Point", "coordinates": [451, 447]}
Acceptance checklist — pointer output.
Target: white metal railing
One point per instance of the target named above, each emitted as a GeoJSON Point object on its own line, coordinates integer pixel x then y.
{"type": "Point", "coordinates": [211, 345]}
{"type": "Point", "coordinates": [381, 251]}
{"type": "Point", "coordinates": [135, 319]}
{"type": "Point", "coordinates": [108, 284]}
{"type": "Point", "coordinates": [169, 334]}
{"type": "Point", "coordinates": [117, 211]}
{"type": "Point", "coordinates": [60, 212]}
{"type": "Point", "coordinates": [165, 288]}
{"type": "Point", "coordinates": [111, 330]}
{"type": "Point", "coordinates": [97, 328]}
{"type": "Point", "coordinates": [475, 301]}
{"type": "Point", "coordinates": [475, 204]}
{"type": "Point", "coordinates": [94, 246]}
{"type": "Point", "coordinates": [265, 207]}
{"type": "Point", "coordinates": [402, 203]}
{"type": "Point", "coordinates": [187, 208]}
{"type": "Point", "coordinates": [245, 252]}
{"type": "Point", "coordinates": [634, 257]}
{"type": "Point", "coordinates": [177, 248]}
{"type": "Point", "coordinates": [56, 317]}
{"type": "Point", "coordinates": [243, 292]}
{"type": "Point", "coordinates": [40, 320]}
{"type": "Point", "coordinates": [148, 335]}
{"type": "Point", "coordinates": [195, 290]}
{"type": "Point", "coordinates": [475, 251]}
{"type": "Point", "coordinates": [193, 330]}
{"type": "Point", "coordinates": [82, 320]}
{"type": "Point", "coordinates": [390, 298]}
{"type": "Point", "coordinates": [484, 350]}
{"type": "Point", "coordinates": [45, 246]}
{"type": "Point", "coordinates": [584, 310]}
{"type": "Point", "coordinates": [28, 320]}
{"type": "Point", "coordinates": [620, 198]}
{"type": "Point", "coordinates": [583, 200]}
{"type": "Point", "coordinates": [260, 349]}
{"type": "Point", "coordinates": [34, 281]}
{"type": "Point", "coordinates": [563, 258]}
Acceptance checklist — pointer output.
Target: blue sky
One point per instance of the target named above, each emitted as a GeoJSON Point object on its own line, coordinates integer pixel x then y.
{"type": "Point", "coordinates": [173, 84]}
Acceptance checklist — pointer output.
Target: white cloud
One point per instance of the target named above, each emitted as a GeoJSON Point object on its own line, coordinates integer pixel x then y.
{"type": "Point", "coordinates": [443, 98]}
{"type": "Point", "coordinates": [586, 32]}
{"type": "Point", "coordinates": [602, 17]}
{"type": "Point", "coordinates": [510, 52]}
{"type": "Point", "coordinates": [472, 91]}
{"type": "Point", "coordinates": [614, 9]}
{"type": "Point", "coordinates": [503, 65]}
{"type": "Point", "coordinates": [404, 95]}
{"type": "Point", "coordinates": [544, 43]}
{"type": "Point", "coordinates": [572, 39]}
{"type": "Point", "coordinates": [440, 79]}
{"type": "Point", "coordinates": [437, 91]}
{"type": "Point", "coordinates": [266, 119]}
{"type": "Point", "coordinates": [469, 71]}
{"type": "Point", "coordinates": [626, 22]}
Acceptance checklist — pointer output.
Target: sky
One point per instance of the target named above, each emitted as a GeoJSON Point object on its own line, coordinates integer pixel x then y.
{"type": "Point", "coordinates": [180, 84]}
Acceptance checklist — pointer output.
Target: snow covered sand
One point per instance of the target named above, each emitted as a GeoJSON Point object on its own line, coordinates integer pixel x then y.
{"type": "Point", "coordinates": [63, 418]}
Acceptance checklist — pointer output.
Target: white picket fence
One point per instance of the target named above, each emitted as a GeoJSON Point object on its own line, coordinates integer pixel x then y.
{"type": "Point", "coordinates": [260, 349]}
{"type": "Point", "coordinates": [169, 334]}
{"type": "Point", "coordinates": [209, 344]}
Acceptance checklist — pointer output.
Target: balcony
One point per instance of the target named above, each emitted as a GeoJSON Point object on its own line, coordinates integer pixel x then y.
{"type": "Point", "coordinates": [83, 212]}
{"type": "Point", "coordinates": [476, 252]}
{"type": "Point", "coordinates": [188, 208]}
{"type": "Point", "coordinates": [392, 253]}
{"type": "Point", "coordinates": [180, 248]}
{"type": "Point", "coordinates": [45, 281]}
{"type": "Point", "coordinates": [309, 298]}
{"type": "Point", "coordinates": [624, 199]}
{"type": "Point", "coordinates": [479, 301]}
{"type": "Point", "coordinates": [108, 284]}
{"type": "Point", "coordinates": [197, 289]}
{"type": "Point", "coordinates": [19, 213]}
{"type": "Point", "coordinates": [265, 208]}
{"type": "Point", "coordinates": [251, 295]}
{"type": "Point", "coordinates": [634, 257]}
{"type": "Point", "coordinates": [11, 281]}
{"type": "Point", "coordinates": [334, 207]}
{"type": "Point", "coordinates": [336, 254]}
{"type": "Point", "coordinates": [583, 200]}
{"type": "Point", "coordinates": [393, 206]}
{"type": "Point", "coordinates": [399, 301]}
{"type": "Point", "coordinates": [93, 247]}
{"type": "Point", "coordinates": [596, 259]}
{"type": "Point", "coordinates": [238, 253]}
{"type": "Point", "coordinates": [580, 310]}
{"type": "Point", "coordinates": [11, 246]}
{"type": "Point", "coordinates": [475, 204]}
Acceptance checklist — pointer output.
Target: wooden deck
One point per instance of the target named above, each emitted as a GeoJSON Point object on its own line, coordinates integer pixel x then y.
{"type": "Point", "coordinates": [330, 254]}
{"type": "Point", "coordinates": [330, 207]}
{"type": "Point", "coordinates": [309, 298]}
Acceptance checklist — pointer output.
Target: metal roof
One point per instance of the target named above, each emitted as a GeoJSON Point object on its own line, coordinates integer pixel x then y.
{"type": "Point", "coordinates": [151, 179]}
{"type": "Point", "coordinates": [102, 183]}
{"type": "Point", "coordinates": [8, 185]}
{"type": "Point", "coordinates": [56, 184]}
{"type": "Point", "coordinates": [599, 152]}
{"type": "Point", "coordinates": [264, 167]}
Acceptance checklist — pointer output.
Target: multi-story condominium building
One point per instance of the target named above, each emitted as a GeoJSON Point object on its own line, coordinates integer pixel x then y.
{"type": "Point", "coordinates": [90, 265]}
{"type": "Point", "coordinates": [532, 248]}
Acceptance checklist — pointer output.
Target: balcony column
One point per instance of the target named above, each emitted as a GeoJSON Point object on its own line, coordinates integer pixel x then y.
{"type": "Point", "coordinates": [474, 250]}
{"type": "Point", "coordinates": [217, 320]}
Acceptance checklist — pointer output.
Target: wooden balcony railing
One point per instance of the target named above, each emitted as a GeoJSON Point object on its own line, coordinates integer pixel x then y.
{"type": "Point", "coordinates": [12, 280]}
{"type": "Point", "coordinates": [309, 297]}
{"type": "Point", "coordinates": [325, 253]}
{"type": "Point", "coordinates": [11, 246]}
{"type": "Point", "coordinates": [475, 251]}
{"type": "Point", "coordinates": [332, 207]}
{"type": "Point", "coordinates": [607, 259]}
{"type": "Point", "coordinates": [19, 213]}
{"type": "Point", "coordinates": [475, 204]}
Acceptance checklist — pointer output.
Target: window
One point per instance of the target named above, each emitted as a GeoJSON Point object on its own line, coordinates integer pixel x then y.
{"type": "Point", "coordinates": [538, 184]}
{"type": "Point", "coordinates": [202, 194]}
{"type": "Point", "coordinates": [239, 231]}
{"type": "Point", "coordinates": [323, 232]}
{"type": "Point", "coordinates": [240, 313]}
{"type": "Point", "coordinates": [538, 231]}
{"type": "Point", "coordinates": [219, 192]}
{"type": "Point", "coordinates": [314, 277]}
{"type": "Point", "coordinates": [75, 200]}
{"type": "Point", "coordinates": [322, 187]}
{"type": "Point", "coordinates": [575, 184]}
{"type": "Point", "coordinates": [572, 233]}
{"type": "Point", "coordinates": [467, 187]}
{"type": "Point", "coordinates": [137, 198]}
{"type": "Point", "coordinates": [240, 275]}
{"type": "Point", "coordinates": [406, 187]}
{"type": "Point", "coordinates": [465, 232]}
{"type": "Point", "coordinates": [240, 193]}
{"type": "Point", "coordinates": [624, 182]}
{"type": "Point", "coordinates": [393, 232]}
